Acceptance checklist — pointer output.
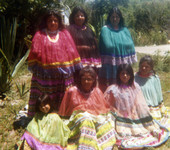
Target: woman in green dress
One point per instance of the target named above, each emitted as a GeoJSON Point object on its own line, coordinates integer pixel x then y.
{"type": "Point", "coordinates": [46, 130]}
{"type": "Point", "coordinates": [152, 91]}
{"type": "Point", "coordinates": [116, 47]}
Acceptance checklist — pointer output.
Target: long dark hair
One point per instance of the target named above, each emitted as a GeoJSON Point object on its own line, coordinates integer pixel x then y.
{"type": "Point", "coordinates": [118, 12]}
{"type": "Point", "coordinates": [44, 98]}
{"type": "Point", "coordinates": [92, 73]}
{"type": "Point", "coordinates": [129, 70]}
{"type": "Point", "coordinates": [74, 12]}
{"type": "Point", "coordinates": [149, 61]}
{"type": "Point", "coordinates": [49, 13]}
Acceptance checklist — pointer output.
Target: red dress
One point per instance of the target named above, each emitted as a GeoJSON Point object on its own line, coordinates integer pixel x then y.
{"type": "Point", "coordinates": [52, 62]}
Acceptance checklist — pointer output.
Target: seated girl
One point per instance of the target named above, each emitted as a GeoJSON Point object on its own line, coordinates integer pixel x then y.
{"type": "Point", "coordinates": [151, 88]}
{"type": "Point", "coordinates": [134, 125]}
{"type": "Point", "coordinates": [88, 111]}
{"type": "Point", "coordinates": [46, 130]}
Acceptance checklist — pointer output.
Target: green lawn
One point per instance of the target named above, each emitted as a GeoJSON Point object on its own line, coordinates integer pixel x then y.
{"type": "Point", "coordinates": [9, 135]}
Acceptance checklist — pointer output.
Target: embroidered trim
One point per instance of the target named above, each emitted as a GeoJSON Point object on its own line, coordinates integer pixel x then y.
{"type": "Point", "coordinates": [51, 39]}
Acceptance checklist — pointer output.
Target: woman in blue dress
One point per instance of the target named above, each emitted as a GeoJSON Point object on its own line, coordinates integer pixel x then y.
{"type": "Point", "coordinates": [116, 47]}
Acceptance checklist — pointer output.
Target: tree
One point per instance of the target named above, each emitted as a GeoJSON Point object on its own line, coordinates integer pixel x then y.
{"type": "Point", "coordinates": [101, 9]}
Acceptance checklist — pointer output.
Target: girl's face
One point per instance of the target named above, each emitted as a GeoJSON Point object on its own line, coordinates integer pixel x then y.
{"type": "Point", "coordinates": [124, 77]}
{"type": "Point", "coordinates": [144, 69]}
{"type": "Point", "coordinates": [45, 108]}
{"type": "Point", "coordinates": [87, 82]}
{"type": "Point", "coordinates": [115, 19]}
{"type": "Point", "coordinates": [52, 23]}
{"type": "Point", "coordinates": [79, 18]}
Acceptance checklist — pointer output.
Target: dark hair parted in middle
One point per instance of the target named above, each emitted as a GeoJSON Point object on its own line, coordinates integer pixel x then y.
{"type": "Point", "coordinates": [118, 12]}
{"type": "Point", "coordinates": [49, 13]}
{"type": "Point", "coordinates": [74, 12]}
{"type": "Point", "coordinates": [129, 70]}
{"type": "Point", "coordinates": [92, 73]}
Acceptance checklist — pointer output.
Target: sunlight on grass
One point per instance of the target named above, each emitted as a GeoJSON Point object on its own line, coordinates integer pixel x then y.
{"type": "Point", "coordinates": [14, 103]}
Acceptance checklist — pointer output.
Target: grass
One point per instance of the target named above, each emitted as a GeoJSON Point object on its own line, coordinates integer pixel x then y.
{"type": "Point", "coordinates": [14, 103]}
{"type": "Point", "coordinates": [10, 135]}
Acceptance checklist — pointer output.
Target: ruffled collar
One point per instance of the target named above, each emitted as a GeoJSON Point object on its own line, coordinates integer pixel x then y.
{"type": "Point", "coordinates": [52, 36]}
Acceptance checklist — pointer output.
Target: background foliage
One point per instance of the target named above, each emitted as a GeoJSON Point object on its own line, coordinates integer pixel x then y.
{"type": "Point", "coordinates": [146, 19]}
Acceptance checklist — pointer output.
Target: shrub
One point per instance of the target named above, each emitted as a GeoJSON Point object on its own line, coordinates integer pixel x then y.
{"type": "Point", "coordinates": [162, 63]}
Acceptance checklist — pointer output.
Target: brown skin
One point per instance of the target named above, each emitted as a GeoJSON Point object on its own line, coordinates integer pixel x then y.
{"type": "Point", "coordinates": [52, 24]}
{"type": "Point", "coordinates": [144, 69]}
{"type": "Point", "coordinates": [45, 108]}
{"type": "Point", "coordinates": [79, 19]}
{"type": "Point", "coordinates": [114, 19]}
{"type": "Point", "coordinates": [87, 82]}
{"type": "Point", "coordinates": [124, 77]}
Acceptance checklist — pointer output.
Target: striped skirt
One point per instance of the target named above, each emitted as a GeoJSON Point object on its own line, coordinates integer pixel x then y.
{"type": "Point", "coordinates": [91, 132]}
{"type": "Point", "coordinates": [54, 87]}
{"type": "Point", "coordinates": [161, 114]}
{"type": "Point", "coordinates": [139, 133]}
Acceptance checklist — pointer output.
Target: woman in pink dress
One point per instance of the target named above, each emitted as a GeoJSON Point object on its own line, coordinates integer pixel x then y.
{"type": "Point", "coordinates": [134, 124]}
{"type": "Point", "coordinates": [88, 114]}
{"type": "Point", "coordinates": [52, 60]}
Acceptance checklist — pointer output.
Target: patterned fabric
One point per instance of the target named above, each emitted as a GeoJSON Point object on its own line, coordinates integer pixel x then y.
{"type": "Point", "coordinates": [90, 132]}
{"type": "Point", "coordinates": [52, 64]}
{"type": "Point", "coordinates": [46, 131]}
{"type": "Point", "coordinates": [85, 41]}
{"type": "Point", "coordinates": [89, 120]}
{"type": "Point", "coordinates": [116, 47]}
{"type": "Point", "coordinates": [151, 88]}
{"type": "Point", "coordinates": [134, 125]}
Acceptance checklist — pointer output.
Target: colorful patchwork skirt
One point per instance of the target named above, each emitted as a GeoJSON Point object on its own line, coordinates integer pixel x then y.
{"type": "Point", "coordinates": [55, 87]}
{"type": "Point", "coordinates": [91, 132]}
{"type": "Point", "coordinates": [140, 133]}
{"type": "Point", "coordinates": [161, 114]}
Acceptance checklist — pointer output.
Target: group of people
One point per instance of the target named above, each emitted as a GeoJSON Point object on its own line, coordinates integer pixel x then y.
{"type": "Point", "coordinates": [85, 95]}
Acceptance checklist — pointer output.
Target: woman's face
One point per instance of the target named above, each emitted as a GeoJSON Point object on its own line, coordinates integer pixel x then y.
{"type": "Point", "coordinates": [115, 19]}
{"type": "Point", "coordinates": [52, 23]}
{"type": "Point", "coordinates": [45, 108]}
{"type": "Point", "coordinates": [79, 18]}
{"type": "Point", "coordinates": [124, 77]}
{"type": "Point", "coordinates": [87, 82]}
{"type": "Point", "coordinates": [144, 69]}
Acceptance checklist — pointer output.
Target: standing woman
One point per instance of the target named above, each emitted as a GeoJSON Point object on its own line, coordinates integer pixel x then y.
{"type": "Point", "coordinates": [84, 38]}
{"type": "Point", "coordinates": [52, 60]}
{"type": "Point", "coordinates": [116, 47]}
